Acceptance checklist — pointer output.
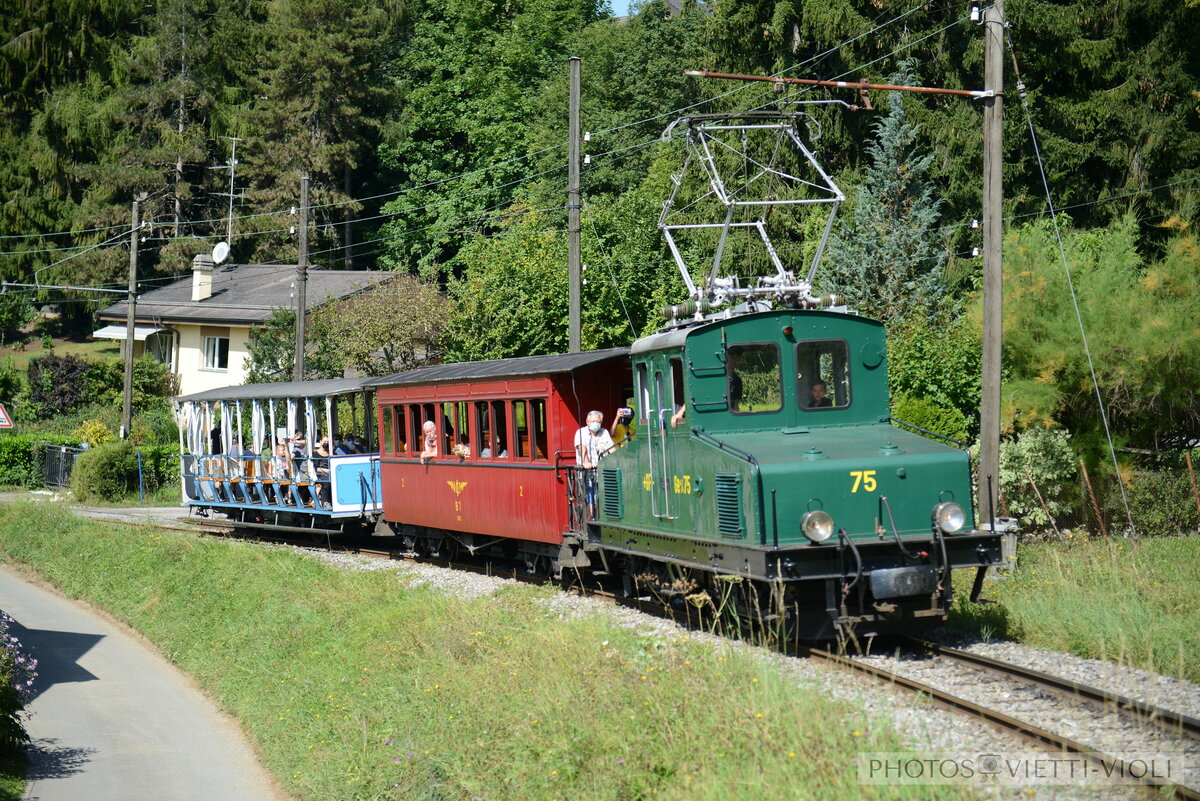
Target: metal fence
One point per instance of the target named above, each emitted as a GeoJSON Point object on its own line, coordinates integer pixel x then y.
{"type": "Point", "coordinates": [1164, 500]}
{"type": "Point", "coordinates": [57, 465]}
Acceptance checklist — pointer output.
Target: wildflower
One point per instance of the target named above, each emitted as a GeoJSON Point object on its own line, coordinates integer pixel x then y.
{"type": "Point", "coordinates": [620, 762]}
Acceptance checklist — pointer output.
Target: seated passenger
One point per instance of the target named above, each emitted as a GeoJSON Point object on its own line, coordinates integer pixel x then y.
{"type": "Point", "coordinates": [322, 454]}
{"type": "Point", "coordinates": [430, 441]}
{"type": "Point", "coordinates": [495, 444]}
{"type": "Point", "coordinates": [820, 396]}
{"type": "Point", "coordinates": [344, 446]}
{"type": "Point", "coordinates": [280, 468]}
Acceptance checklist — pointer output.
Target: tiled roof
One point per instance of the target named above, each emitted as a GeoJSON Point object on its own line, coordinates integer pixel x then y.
{"type": "Point", "coordinates": [244, 294]}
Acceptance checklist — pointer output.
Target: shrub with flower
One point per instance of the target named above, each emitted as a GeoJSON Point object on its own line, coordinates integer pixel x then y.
{"type": "Point", "coordinates": [17, 673]}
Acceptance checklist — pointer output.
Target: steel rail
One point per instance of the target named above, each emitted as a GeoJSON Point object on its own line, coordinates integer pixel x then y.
{"type": "Point", "coordinates": [1005, 722]}
{"type": "Point", "coordinates": [1171, 722]}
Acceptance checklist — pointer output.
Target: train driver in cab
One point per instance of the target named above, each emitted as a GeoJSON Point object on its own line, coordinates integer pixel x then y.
{"type": "Point", "coordinates": [819, 393]}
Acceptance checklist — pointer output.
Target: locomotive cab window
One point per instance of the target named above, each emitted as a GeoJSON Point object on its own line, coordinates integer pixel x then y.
{"type": "Point", "coordinates": [643, 393]}
{"type": "Point", "coordinates": [823, 375]}
{"type": "Point", "coordinates": [755, 378]}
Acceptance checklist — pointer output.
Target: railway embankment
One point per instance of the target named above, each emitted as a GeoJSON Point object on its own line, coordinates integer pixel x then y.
{"type": "Point", "coordinates": [383, 680]}
{"type": "Point", "coordinates": [372, 684]}
{"type": "Point", "coordinates": [1129, 602]}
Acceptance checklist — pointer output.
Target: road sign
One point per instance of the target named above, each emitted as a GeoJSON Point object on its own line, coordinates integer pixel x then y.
{"type": "Point", "coordinates": [5, 420]}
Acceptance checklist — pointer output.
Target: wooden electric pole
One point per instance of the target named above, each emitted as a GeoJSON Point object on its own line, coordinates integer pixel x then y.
{"type": "Point", "coordinates": [993, 265]}
{"type": "Point", "coordinates": [301, 280]}
{"type": "Point", "coordinates": [574, 199]}
{"type": "Point", "coordinates": [130, 316]}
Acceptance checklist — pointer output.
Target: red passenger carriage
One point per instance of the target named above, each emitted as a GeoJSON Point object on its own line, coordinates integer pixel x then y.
{"type": "Point", "coordinates": [505, 448]}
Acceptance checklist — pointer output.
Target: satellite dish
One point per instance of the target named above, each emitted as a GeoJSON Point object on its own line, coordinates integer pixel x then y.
{"type": "Point", "coordinates": [220, 252]}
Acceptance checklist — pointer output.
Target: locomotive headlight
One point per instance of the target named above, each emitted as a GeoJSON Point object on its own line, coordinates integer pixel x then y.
{"type": "Point", "coordinates": [817, 526]}
{"type": "Point", "coordinates": [949, 517]}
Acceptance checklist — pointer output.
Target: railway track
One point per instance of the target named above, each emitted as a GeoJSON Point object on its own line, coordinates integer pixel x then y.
{"type": "Point", "coordinates": [1173, 724]}
{"type": "Point", "coordinates": [1142, 714]}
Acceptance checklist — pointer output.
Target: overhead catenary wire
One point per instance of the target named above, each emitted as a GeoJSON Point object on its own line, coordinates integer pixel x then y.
{"type": "Point", "coordinates": [1062, 254]}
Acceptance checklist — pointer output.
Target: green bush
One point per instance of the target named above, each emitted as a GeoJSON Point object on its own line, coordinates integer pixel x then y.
{"type": "Point", "coordinates": [109, 472]}
{"type": "Point", "coordinates": [21, 457]}
{"type": "Point", "coordinates": [106, 472]}
{"type": "Point", "coordinates": [1043, 458]}
{"type": "Point", "coordinates": [1161, 503]}
{"type": "Point", "coordinates": [60, 385]}
{"type": "Point", "coordinates": [944, 420]}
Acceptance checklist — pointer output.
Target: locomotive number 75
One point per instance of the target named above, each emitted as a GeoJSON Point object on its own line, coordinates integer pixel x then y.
{"type": "Point", "coordinates": [863, 478]}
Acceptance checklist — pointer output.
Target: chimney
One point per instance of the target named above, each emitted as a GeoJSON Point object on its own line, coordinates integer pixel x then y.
{"type": "Point", "coordinates": [202, 276]}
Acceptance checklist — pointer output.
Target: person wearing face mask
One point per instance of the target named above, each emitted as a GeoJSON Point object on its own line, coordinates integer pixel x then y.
{"type": "Point", "coordinates": [591, 442]}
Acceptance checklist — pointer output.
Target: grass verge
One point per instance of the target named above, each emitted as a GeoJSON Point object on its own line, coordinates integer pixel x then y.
{"type": "Point", "coordinates": [1101, 598]}
{"type": "Point", "coordinates": [368, 686]}
{"type": "Point", "coordinates": [12, 777]}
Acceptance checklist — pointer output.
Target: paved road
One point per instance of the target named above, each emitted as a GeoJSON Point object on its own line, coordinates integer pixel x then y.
{"type": "Point", "coordinates": [114, 721]}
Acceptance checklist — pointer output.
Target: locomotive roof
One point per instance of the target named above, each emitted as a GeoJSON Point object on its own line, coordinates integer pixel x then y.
{"type": "Point", "coordinates": [499, 368]}
{"type": "Point", "coordinates": [287, 389]}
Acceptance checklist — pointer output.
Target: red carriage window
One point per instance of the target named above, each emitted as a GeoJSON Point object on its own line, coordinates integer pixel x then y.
{"type": "Point", "coordinates": [520, 430]}
{"type": "Point", "coordinates": [501, 446]}
{"type": "Point", "coordinates": [483, 424]}
{"type": "Point", "coordinates": [419, 413]}
{"type": "Point", "coordinates": [537, 421]}
{"type": "Point", "coordinates": [387, 414]}
{"type": "Point", "coordinates": [397, 429]}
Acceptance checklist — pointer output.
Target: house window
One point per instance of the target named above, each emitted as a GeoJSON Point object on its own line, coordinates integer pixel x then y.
{"type": "Point", "coordinates": [216, 353]}
{"type": "Point", "coordinates": [161, 346]}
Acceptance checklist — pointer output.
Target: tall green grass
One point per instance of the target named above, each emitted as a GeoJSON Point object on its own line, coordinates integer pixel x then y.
{"type": "Point", "coordinates": [365, 686]}
{"type": "Point", "coordinates": [1101, 598]}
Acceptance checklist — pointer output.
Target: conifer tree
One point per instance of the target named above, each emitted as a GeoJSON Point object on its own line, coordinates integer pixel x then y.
{"type": "Point", "coordinates": [887, 259]}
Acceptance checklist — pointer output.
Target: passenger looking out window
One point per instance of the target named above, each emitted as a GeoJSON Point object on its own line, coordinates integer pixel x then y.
{"type": "Point", "coordinates": [822, 374]}
{"type": "Point", "coordinates": [429, 441]}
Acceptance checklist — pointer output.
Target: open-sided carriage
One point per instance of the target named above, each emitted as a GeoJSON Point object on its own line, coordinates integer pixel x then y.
{"type": "Point", "coordinates": [265, 455]}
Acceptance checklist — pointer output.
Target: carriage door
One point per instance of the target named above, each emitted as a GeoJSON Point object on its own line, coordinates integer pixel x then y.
{"type": "Point", "coordinates": [660, 409]}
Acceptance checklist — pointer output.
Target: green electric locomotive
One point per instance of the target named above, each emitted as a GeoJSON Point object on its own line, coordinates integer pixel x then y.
{"type": "Point", "coordinates": [765, 450]}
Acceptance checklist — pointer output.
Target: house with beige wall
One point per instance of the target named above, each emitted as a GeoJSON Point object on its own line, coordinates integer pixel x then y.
{"type": "Point", "coordinates": [200, 326]}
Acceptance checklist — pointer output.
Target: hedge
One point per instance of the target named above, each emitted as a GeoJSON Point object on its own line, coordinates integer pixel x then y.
{"type": "Point", "coordinates": [21, 457]}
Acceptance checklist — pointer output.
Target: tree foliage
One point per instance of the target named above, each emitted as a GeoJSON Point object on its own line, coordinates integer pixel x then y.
{"type": "Point", "coordinates": [887, 258]}
{"type": "Point", "coordinates": [434, 134]}
{"type": "Point", "coordinates": [393, 328]}
{"type": "Point", "coordinates": [389, 329]}
{"type": "Point", "coordinates": [1140, 319]}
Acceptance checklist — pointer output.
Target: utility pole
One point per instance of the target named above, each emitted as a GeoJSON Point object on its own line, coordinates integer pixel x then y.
{"type": "Point", "coordinates": [130, 315]}
{"type": "Point", "coordinates": [301, 280]}
{"type": "Point", "coordinates": [993, 265]}
{"type": "Point", "coordinates": [574, 201]}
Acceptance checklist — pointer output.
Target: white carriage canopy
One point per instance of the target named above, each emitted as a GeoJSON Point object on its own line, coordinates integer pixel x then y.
{"type": "Point", "coordinates": [262, 416]}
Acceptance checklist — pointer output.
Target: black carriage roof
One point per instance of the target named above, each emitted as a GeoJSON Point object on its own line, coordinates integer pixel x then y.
{"type": "Point", "coordinates": [287, 389]}
{"type": "Point", "coordinates": [499, 368]}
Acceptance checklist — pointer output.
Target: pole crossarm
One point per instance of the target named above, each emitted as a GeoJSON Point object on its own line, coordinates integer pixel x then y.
{"type": "Point", "coordinates": [888, 87]}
